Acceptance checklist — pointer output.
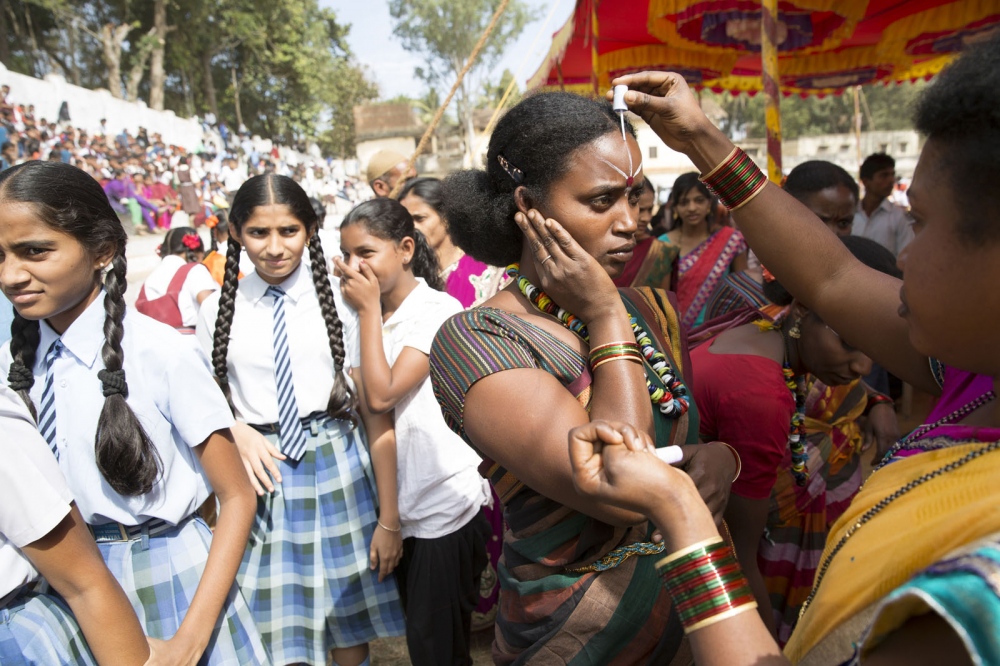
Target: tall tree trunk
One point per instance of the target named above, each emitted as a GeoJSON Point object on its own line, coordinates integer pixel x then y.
{"type": "Point", "coordinates": [4, 46]}
{"type": "Point", "coordinates": [156, 73]}
{"type": "Point", "coordinates": [74, 43]}
{"type": "Point", "coordinates": [209, 82]}
{"type": "Point", "coordinates": [143, 48]}
{"type": "Point", "coordinates": [188, 97]}
{"type": "Point", "coordinates": [112, 37]}
{"type": "Point", "coordinates": [236, 100]}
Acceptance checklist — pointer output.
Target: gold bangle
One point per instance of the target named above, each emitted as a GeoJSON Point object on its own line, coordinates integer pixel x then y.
{"type": "Point", "coordinates": [739, 461]}
{"type": "Point", "coordinates": [398, 529]}
{"type": "Point", "coordinates": [676, 555]}
{"type": "Point", "coordinates": [719, 165]}
{"type": "Point", "coordinates": [720, 617]}
{"type": "Point", "coordinates": [623, 357]}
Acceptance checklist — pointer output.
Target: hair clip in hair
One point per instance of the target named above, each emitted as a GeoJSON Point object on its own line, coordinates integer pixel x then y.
{"type": "Point", "coordinates": [515, 174]}
{"type": "Point", "coordinates": [191, 242]}
{"type": "Point", "coordinates": [211, 221]}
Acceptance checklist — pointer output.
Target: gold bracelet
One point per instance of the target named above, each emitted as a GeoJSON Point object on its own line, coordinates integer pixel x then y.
{"type": "Point", "coordinates": [623, 357]}
{"type": "Point", "coordinates": [676, 555]}
{"type": "Point", "coordinates": [739, 462]}
{"type": "Point", "coordinates": [398, 529]}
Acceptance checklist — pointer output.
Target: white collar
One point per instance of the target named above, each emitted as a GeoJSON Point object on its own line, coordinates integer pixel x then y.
{"type": "Point", "coordinates": [296, 285]}
{"type": "Point", "coordinates": [84, 337]}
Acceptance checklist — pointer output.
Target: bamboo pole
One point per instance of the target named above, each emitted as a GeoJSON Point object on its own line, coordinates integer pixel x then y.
{"type": "Point", "coordinates": [447, 100]}
{"type": "Point", "coordinates": [770, 75]}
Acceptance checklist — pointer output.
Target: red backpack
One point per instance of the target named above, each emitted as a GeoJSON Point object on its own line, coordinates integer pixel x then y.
{"type": "Point", "coordinates": [165, 308]}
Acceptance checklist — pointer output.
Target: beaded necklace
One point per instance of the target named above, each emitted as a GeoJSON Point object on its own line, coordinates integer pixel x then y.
{"type": "Point", "coordinates": [797, 429]}
{"type": "Point", "coordinates": [671, 399]}
{"type": "Point", "coordinates": [948, 419]}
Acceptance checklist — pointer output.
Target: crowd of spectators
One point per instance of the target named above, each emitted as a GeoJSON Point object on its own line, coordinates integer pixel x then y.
{"type": "Point", "coordinates": [154, 184]}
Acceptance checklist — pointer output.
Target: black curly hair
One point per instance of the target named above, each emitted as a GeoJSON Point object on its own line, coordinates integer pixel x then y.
{"type": "Point", "coordinates": [817, 175]}
{"type": "Point", "coordinates": [67, 199]}
{"type": "Point", "coordinates": [530, 146]}
{"type": "Point", "coordinates": [264, 190]}
{"type": "Point", "coordinates": [960, 112]}
{"type": "Point", "coordinates": [389, 220]}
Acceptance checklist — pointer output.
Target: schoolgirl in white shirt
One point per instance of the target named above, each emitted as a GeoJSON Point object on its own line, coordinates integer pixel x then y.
{"type": "Point", "coordinates": [131, 412]}
{"type": "Point", "coordinates": [281, 346]}
{"type": "Point", "coordinates": [180, 283]}
{"type": "Point", "coordinates": [390, 275]}
{"type": "Point", "coordinates": [42, 531]}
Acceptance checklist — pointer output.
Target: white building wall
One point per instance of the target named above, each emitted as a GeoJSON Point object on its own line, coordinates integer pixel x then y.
{"type": "Point", "coordinates": [87, 107]}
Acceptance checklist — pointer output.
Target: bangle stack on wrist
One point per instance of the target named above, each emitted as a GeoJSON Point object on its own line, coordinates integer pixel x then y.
{"type": "Point", "coordinates": [706, 584]}
{"type": "Point", "coordinates": [614, 351]}
{"type": "Point", "coordinates": [736, 181]}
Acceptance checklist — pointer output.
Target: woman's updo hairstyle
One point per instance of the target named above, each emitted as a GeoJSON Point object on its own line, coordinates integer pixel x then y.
{"type": "Point", "coordinates": [684, 184]}
{"type": "Point", "coordinates": [961, 111]}
{"type": "Point", "coordinates": [869, 252]}
{"type": "Point", "coordinates": [184, 241]}
{"type": "Point", "coordinates": [389, 220]}
{"type": "Point", "coordinates": [530, 146]}
{"type": "Point", "coordinates": [267, 190]}
{"type": "Point", "coordinates": [68, 200]}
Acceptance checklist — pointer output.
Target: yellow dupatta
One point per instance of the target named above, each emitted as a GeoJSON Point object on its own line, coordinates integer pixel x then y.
{"type": "Point", "coordinates": [909, 534]}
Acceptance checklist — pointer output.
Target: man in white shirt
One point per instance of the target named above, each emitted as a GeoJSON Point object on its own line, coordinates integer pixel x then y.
{"type": "Point", "coordinates": [878, 218]}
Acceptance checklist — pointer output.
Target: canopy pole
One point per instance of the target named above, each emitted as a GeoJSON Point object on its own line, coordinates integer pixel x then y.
{"type": "Point", "coordinates": [594, 59]}
{"type": "Point", "coordinates": [769, 72]}
{"type": "Point", "coordinates": [425, 139]}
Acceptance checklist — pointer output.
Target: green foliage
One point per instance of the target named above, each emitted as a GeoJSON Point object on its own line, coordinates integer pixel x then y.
{"type": "Point", "coordinates": [282, 66]}
{"type": "Point", "coordinates": [445, 32]}
{"type": "Point", "coordinates": [890, 107]}
{"type": "Point", "coordinates": [493, 94]}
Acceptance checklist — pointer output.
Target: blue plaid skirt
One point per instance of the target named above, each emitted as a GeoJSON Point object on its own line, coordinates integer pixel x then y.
{"type": "Point", "coordinates": [37, 629]}
{"type": "Point", "coordinates": [305, 571]}
{"type": "Point", "coordinates": [160, 575]}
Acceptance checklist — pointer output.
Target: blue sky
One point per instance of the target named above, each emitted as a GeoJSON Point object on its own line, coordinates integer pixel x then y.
{"type": "Point", "coordinates": [373, 44]}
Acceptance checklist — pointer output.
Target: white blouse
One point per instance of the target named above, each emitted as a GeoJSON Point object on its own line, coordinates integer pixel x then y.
{"type": "Point", "coordinates": [250, 357]}
{"type": "Point", "coordinates": [171, 392]}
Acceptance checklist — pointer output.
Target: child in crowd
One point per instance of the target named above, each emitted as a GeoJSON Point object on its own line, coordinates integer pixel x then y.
{"type": "Point", "coordinates": [390, 275]}
{"type": "Point", "coordinates": [176, 288]}
{"type": "Point", "coordinates": [42, 532]}
{"type": "Point", "coordinates": [215, 261]}
{"type": "Point", "coordinates": [282, 348]}
{"type": "Point", "coordinates": [141, 458]}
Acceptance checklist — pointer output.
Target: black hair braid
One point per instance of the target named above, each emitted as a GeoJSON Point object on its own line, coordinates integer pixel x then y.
{"type": "Point", "coordinates": [125, 455]}
{"type": "Point", "coordinates": [25, 336]}
{"type": "Point", "coordinates": [343, 403]}
{"type": "Point", "coordinates": [425, 262]}
{"type": "Point", "coordinates": [224, 320]}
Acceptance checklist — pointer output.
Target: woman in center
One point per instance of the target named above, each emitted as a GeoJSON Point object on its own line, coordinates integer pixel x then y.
{"type": "Point", "coordinates": [560, 346]}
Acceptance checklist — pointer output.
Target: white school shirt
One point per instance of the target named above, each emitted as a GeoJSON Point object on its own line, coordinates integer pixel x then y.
{"type": "Point", "coordinates": [171, 391]}
{"type": "Point", "coordinates": [34, 497]}
{"type": "Point", "coordinates": [889, 225]}
{"type": "Point", "coordinates": [440, 488]}
{"type": "Point", "coordinates": [198, 279]}
{"type": "Point", "coordinates": [250, 356]}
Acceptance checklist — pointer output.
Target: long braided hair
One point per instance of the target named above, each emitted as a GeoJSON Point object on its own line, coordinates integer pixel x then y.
{"type": "Point", "coordinates": [264, 190]}
{"type": "Point", "coordinates": [67, 199]}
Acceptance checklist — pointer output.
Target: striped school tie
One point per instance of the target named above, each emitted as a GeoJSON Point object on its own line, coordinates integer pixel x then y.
{"type": "Point", "coordinates": [293, 437]}
{"type": "Point", "coordinates": [47, 411]}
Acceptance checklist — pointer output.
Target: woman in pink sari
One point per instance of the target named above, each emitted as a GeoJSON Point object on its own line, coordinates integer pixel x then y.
{"type": "Point", "coordinates": [707, 254]}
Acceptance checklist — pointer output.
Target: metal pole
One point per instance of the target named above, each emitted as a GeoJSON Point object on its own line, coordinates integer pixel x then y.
{"type": "Point", "coordinates": [769, 73]}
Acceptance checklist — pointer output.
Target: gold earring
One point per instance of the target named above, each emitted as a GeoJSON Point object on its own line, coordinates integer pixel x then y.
{"type": "Point", "coordinates": [796, 332]}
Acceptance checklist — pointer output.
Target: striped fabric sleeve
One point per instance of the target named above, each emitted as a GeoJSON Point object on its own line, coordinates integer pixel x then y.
{"type": "Point", "coordinates": [469, 346]}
